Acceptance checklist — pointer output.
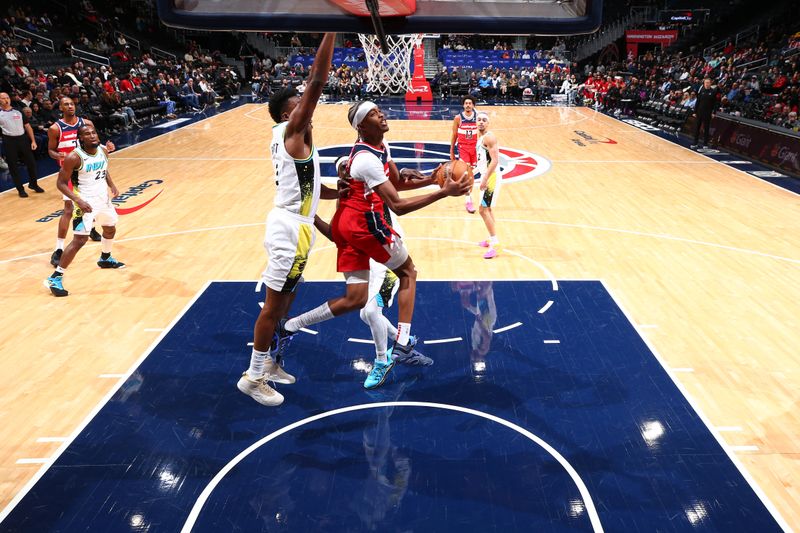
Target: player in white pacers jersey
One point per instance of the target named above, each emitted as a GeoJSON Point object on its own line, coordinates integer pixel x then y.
{"type": "Point", "coordinates": [491, 179]}
{"type": "Point", "coordinates": [87, 166]}
{"type": "Point", "coordinates": [290, 225]}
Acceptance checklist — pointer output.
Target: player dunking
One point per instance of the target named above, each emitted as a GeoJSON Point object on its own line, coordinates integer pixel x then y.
{"type": "Point", "coordinates": [361, 232]}
{"type": "Point", "coordinates": [87, 168]}
{"type": "Point", "coordinates": [465, 134]}
{"type": "Point", "coordinates": [62, 138]}
{"type": "Point", "coordinates": [290, 225]}
{"type": "Point", "coordinates": [491, 178]}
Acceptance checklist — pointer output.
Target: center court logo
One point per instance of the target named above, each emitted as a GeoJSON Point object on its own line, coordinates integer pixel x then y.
{"type": "Point", "coordinates": [120, 202]}
{"type": "Point", "coordinates": [516, 165]}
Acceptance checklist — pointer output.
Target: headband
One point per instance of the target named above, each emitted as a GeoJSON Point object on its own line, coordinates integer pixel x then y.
{"type": "Point", "coordinates": [363, 109]}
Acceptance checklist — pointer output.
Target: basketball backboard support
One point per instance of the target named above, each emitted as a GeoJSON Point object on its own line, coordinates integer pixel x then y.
{"type": "Point", "coordinates": [505, 17]}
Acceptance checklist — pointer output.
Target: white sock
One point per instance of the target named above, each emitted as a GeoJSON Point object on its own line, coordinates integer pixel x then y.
{"type": "Point", "coordinates": [106, 245]}
{"type": "Point", "coordinates": [59, 244]}
{"type": "Point", "coordinates": [493, 240]}
{"type": "Point", "coordinates": [403, 333]}
{"type": "Point", "coordinates": [315, 316]}
{"type": "Point", "coordinates": [256, 370]}
{"type": "Point", "coordinates": [61, 269]}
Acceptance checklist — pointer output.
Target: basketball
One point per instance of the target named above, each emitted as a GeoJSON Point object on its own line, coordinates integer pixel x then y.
{"type": "Point", "coordinates": [458, 170]}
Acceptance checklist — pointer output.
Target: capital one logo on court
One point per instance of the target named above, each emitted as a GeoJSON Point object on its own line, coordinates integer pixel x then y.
{"type": "Point", "coordinates": [516, 165]}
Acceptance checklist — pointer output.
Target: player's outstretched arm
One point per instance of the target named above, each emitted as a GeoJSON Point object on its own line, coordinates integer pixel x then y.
{"type": "Point", "coordinates": [317, 78]}
{"type": "Point", "coordinates": [408, 178]}
{"type": "Point", "coordinates": [403, 206]}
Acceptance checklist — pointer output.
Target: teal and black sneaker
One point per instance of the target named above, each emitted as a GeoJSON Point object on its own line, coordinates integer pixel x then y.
{"type": "Point", "coordinates": [378, 374]}
{"type": "Point", "coordinates": [109, 263]}
{"type": "Point", "coordinates": [56, 286]}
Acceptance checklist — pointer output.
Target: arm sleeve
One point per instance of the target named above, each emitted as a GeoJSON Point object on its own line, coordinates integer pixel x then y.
{"type": "Point", "coordinates": [368, 168]}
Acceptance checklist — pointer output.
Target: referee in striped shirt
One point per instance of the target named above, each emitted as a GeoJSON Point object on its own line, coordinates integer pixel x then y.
{"type": "Point", "coordinates": [18, 141]}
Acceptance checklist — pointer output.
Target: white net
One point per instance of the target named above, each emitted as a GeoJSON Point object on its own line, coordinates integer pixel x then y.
{"type": "Point", "coordinates": [389, 73]}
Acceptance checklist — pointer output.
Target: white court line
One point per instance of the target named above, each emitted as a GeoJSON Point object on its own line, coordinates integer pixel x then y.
{"type": "Point", "coordinates": [734, 459]}
{"type": "Point", "coordinates": [552, 341]}
{"type": "Point", "coordinates": [51, 439]}
{"type": "Point", "coordinates": [550, 276]}
{"type": "Point", "coordinates": [33, 461]}
{"type": "Point", "coordinates": [744, 448]}
{"type": "Point", "coordinates": [154, 329]}
{"type": "Point", "coordinates": [623, 231]}
{"type": "Point", "coordinates": [723, 429]}
{"type": "Point", "coordinates": [361, 341]}
{"type": "Point", "coordinates": [531, 222]}
{"type": "Point", "coordinates": [160, 136]}
{"type": "Point", "coordinates": [309, 331]}
{"type": "Point", "coordinates": [631, 126]}
{"type": "Point", "coordinates": [506, 328]}
{"type": "Point", "coordinates": [546, 307]}
{"type": "Point", "coordinates": [36, 477]}
{"type": "Point", "coordinates": [250, 343]}
{"type": "Point", "coordinates": [194, 158]}
{"type": "Point", "coordinates": [442, 341]}
{"type": "Point", "coordinates": [625, 161]}
{"type": "Point", "coordinates": [591, 510]}
{"type": "Point", "coordinates": [684, 370]}
{"type": "Point", "coordinates": [111, 376]}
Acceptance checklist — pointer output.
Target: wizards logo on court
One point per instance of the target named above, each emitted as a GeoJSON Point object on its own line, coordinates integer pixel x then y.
{"type": "Point", "coordinates": [516, 165]}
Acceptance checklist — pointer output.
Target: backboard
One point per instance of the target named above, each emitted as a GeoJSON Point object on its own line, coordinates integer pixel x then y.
{"type": "Point", "coordinates": [505, 17]}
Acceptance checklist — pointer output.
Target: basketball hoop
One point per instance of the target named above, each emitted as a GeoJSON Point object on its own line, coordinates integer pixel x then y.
{"type": "Point", "coordinates": [389, 72]}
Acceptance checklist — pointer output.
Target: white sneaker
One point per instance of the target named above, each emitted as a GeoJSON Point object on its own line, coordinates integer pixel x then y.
{"type": "Point", "coordinates": [259, 391]}
{"type": "Point", "coordinates": [274, 372]}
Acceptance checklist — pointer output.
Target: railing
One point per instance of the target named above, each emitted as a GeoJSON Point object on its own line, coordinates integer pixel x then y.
{"type": "Point", "coordinates": [739, 38]}
{"type": "Point", "coordinates": [85, 55]}
{"type": "Point", "coordinates": [132, 41]}
{"type": "Point", "coordinates": [163, 54]}
{"type": "Point", "coordinates": [756, 64]}
{"type": "Point", "coordinates": [35, 37]}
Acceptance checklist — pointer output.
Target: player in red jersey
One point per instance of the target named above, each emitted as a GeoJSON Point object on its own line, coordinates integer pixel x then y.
{"type": "Point", "coordinates": [465, 134]}
{"type": "Point", "coordinates": [62, 138]}
{"type": "Point", "coordinates": [361, 232]}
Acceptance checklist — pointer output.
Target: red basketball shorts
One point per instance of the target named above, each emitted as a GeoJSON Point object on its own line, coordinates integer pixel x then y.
{"type": "Point", "coordinates": [361, 236]}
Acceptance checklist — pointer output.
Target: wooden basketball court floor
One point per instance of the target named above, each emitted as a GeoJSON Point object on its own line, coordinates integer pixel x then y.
{"type": "Point", "coordinates": [705, 260]}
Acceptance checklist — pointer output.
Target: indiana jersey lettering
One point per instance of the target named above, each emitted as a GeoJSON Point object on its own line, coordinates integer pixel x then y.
{"type": "Point", "coordinates": [298, 180]}
{"type": "Point", "coordinates": [90, 178]}
{"type": "Point", "coordinates": [67, 137]}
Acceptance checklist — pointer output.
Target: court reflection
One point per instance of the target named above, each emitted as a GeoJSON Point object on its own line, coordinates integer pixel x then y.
{"type": "Point", "coordinates": [477, 298]}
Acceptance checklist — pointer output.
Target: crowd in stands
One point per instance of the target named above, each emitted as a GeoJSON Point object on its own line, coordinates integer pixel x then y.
{"type": "Point", "coordinates": [117, 97]}
{"type": "Point", "coordinates": [759, 81]}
